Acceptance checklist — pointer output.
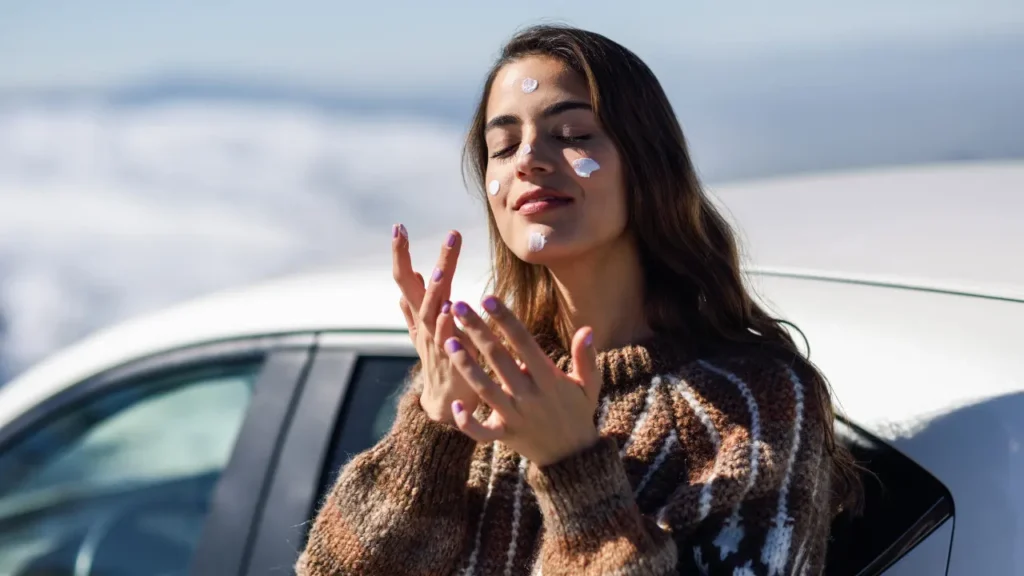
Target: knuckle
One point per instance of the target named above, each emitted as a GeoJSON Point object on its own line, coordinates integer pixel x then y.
{"type": "Point", "coordinates": [439, 340]}
{"type": "Point", "coordinates": [490, 349]}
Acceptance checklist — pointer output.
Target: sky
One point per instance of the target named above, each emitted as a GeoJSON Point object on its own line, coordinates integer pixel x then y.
{"type": "Point", "coordinates": [420, 46]}
{"type": "Point", "coordinates": [110, 210]}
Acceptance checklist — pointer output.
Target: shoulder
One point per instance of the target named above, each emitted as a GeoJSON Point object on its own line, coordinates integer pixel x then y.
{"type": "Point", "coordinates": [756, 389]}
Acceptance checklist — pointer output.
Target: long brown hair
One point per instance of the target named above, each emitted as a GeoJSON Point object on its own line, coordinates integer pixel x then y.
{"type": "Point", "coordinates": [693, 277]}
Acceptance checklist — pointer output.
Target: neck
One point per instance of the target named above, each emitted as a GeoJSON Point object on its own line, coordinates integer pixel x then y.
{"type": "Point", "coordinates": [605, 290]}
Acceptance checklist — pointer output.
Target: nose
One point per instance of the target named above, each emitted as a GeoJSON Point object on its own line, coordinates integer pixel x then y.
{"type": "Point", "coordinates": [531, 158]}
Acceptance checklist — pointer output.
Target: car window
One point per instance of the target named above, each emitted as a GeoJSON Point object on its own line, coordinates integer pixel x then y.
{"type": "Point", "coordinates": [903, 504]}
{"type": "Point", "coordinates": [369, 410]}
{"type": "Point", "coordinates": [120, 483]}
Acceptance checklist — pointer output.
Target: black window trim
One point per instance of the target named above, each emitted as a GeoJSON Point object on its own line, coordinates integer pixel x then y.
{"type": "Point", "coordinates": [933, 518]}
{"type": "Point", "coordinates": [240, 494]}
{"type": "Point", "coordinates": [286, 358]}
{"type": "Point", "coordinates": [306, 447]}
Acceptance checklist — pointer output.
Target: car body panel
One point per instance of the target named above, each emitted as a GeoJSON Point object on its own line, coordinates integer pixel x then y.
{"type": "Point", "coordinates": [940, 377]}
{"type": "Point", "coordinates": [957, 223]}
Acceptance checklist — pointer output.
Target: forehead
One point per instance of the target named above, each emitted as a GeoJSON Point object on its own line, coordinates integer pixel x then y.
{"type": "Point", "coordinates": [555, 81]}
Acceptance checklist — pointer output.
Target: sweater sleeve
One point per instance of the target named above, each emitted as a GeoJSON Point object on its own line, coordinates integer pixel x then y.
{"type": "Point", "coordinates": [400, 507]}
{"type": "Point", "coordinates": [754, 506]}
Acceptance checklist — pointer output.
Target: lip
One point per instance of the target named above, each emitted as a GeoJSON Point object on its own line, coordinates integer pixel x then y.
{"type": "Point", "coordinates": [537, 194]}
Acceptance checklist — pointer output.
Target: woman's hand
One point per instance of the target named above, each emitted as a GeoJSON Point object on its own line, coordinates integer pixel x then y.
{"type": "Point", "coordinates": [427, 314]}
{"type": "Point", "coordinates": [538, 410]}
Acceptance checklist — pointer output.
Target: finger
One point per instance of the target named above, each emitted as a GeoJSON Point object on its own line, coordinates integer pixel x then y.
{"type": "Point", "coordinates": [483, 433]}
{"type": "Point", "coordinates": [445, 327]}
{"type": "Point", "coordinates": [410, 320]}
{"type": "Point", "coordinates": [518, 336]}
{"type": "Point", "coordinates": [401, 267]}
{"type": "Point", "coordinates": [499, 358]}
{"type": "Point", "coordinates": [422, 283]}
{"type": "Point", "coordinates": [584, 363]}
{"type": "Point", "coordinates": [439, 285]}
{"type": "Point", "coordinates": [488, 391]}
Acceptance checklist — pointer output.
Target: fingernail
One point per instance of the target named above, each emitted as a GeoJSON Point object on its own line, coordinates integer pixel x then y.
{"type": "Point", "coordinates": [589, 340]}
{"type": "Point", "coordinates": [436, 276]}
{"type": "Point", "coordinates": [403, 231]}
{"type": "Point", "coordinates": [394, 230]}
{"type": "Point", "coordinates": [457, 406]}
{"type": "Point", "coordinates": [446, 307]}
{"type": "Point", "coordinates": [490, 304]}
{"type": "Point", "coordinates": [452, 345]}
{"type": "Point", "coordinates": [461, 308]}
{"type": "Point", "coordinates": [451, 239]}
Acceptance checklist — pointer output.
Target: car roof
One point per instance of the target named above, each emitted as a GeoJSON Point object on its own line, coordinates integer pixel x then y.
{"type": "Point", "coordinates": [955, 226]}
{"type": "Point", "coordinates": [808, 235]}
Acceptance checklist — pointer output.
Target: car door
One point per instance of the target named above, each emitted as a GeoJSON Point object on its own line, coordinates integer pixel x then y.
{"type": "Point", "coordinates": [155, 467]}
{"type": "Point", "coordinates": [348, 403]}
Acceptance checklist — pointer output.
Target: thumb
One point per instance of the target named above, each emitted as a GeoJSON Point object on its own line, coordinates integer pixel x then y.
{"type": "Point", "coordinates": [584, 363]}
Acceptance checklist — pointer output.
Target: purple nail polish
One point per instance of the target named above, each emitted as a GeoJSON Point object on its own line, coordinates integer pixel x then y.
{"type": "Point", "coordinates": [461, 309]}
{"type": "Point", "coordinates": [436, 276]}
{"type": "Point", "coordinates": [451, 240]}
{"type": "Point", "coordinates": [403, 231]}
{"type": "Point", "coordinates": [446, 307]}
{"type": "Point", "coordinates": [452, 346]}
{"type": "Point", "coordinates": [457, 407]}
{"type": "Point", "coordinates": [589, 340]}
{"type": "Point", "coordinates": [394, 230]}
{"type": "Point", "coordinates": [490, 304]}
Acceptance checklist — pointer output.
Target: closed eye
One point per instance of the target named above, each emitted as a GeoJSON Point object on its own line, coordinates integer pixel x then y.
{"type": "Point", "coordinates": [505, 152]}
{"type": "Point", "coordinates": [575, 139]}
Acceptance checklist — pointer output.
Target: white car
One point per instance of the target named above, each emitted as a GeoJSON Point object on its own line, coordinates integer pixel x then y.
{"type": "Point", "coordinates": [199, 439]}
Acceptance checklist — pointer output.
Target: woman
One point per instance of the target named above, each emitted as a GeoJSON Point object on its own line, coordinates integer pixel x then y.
{"type": "Point", "coordinates": [625, 408]}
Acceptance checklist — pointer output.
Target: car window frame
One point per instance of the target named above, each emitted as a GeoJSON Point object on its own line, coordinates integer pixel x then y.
{"type": "Point", "coordinates": [307, 443]}
{"type": "Point", "coordinates": [239, 490]}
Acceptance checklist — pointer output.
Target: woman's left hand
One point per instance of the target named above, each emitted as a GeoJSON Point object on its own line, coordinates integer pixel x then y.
{"type": "Point", "coordinates": [539, 411]}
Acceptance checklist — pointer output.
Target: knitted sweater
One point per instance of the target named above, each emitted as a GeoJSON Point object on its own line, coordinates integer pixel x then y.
{"type": "Point", "coordinates": [711, 466]}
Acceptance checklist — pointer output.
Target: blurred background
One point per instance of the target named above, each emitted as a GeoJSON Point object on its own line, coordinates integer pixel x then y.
{"type": "Point", "coordinates": [155, 151]}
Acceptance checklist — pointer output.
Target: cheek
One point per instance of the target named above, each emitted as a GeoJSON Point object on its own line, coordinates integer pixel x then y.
{"type": "Point", "coordinates": [606, 189]}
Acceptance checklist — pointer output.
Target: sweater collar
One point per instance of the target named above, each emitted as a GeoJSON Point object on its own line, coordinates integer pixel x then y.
{"type": "Point", "coordinates": [627, 366]}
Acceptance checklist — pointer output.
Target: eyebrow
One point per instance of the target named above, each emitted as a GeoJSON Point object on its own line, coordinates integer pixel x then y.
{"type": "Point", "coordinates": [553, 110]}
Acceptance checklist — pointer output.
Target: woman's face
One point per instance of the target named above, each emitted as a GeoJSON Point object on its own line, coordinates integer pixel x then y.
{"type": "Point", "coordinates": [554, 178]}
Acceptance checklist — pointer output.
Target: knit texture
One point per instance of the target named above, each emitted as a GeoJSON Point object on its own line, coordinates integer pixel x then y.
{"type": "Point", "coordinates": [705, 466]}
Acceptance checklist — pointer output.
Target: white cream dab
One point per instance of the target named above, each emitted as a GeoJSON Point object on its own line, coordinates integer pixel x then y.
{"type": "Point", "coordinates": [585, 166]}
{"type": "Point", "coordinates": [493, 187]}
{"type": "Point", "coordinates": [537, 241]}
{"type": "Point", "coordinates": [529, 85]}
{"type": "Point", "coordinates": [525, 150]}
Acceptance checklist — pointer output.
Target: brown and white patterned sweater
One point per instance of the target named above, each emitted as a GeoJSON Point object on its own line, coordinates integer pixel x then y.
{"type": "Point", "coordinates": [712, 466]}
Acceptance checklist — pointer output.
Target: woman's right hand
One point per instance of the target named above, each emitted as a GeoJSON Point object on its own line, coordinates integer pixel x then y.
{"type": "Point", "coordinates": [431, 323]}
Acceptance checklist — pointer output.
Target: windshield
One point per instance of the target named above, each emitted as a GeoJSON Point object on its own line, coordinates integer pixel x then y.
{"type": "Point", "coordinates": [252, 139]}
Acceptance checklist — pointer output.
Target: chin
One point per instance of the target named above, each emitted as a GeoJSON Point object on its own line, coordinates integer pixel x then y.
{"type": "Point", "coordinates": [546, 252]}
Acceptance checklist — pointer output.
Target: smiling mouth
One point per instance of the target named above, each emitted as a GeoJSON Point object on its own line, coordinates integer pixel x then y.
{"type": "Point", "coordinates": [543, 204]}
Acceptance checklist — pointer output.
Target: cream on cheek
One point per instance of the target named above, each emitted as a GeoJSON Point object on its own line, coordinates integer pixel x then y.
{"type": "Point", "coordinates": [584, 167]}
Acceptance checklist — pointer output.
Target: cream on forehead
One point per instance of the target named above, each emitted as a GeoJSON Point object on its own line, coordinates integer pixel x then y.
{"type": "Point", "coordinates": [529, 85]}
{"type": "Point", "coordinates": [585, 166]}
{"type": "Point", "coordinates": [537, 241]}
{"type": "Point", "coordinates": [493, 187]}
